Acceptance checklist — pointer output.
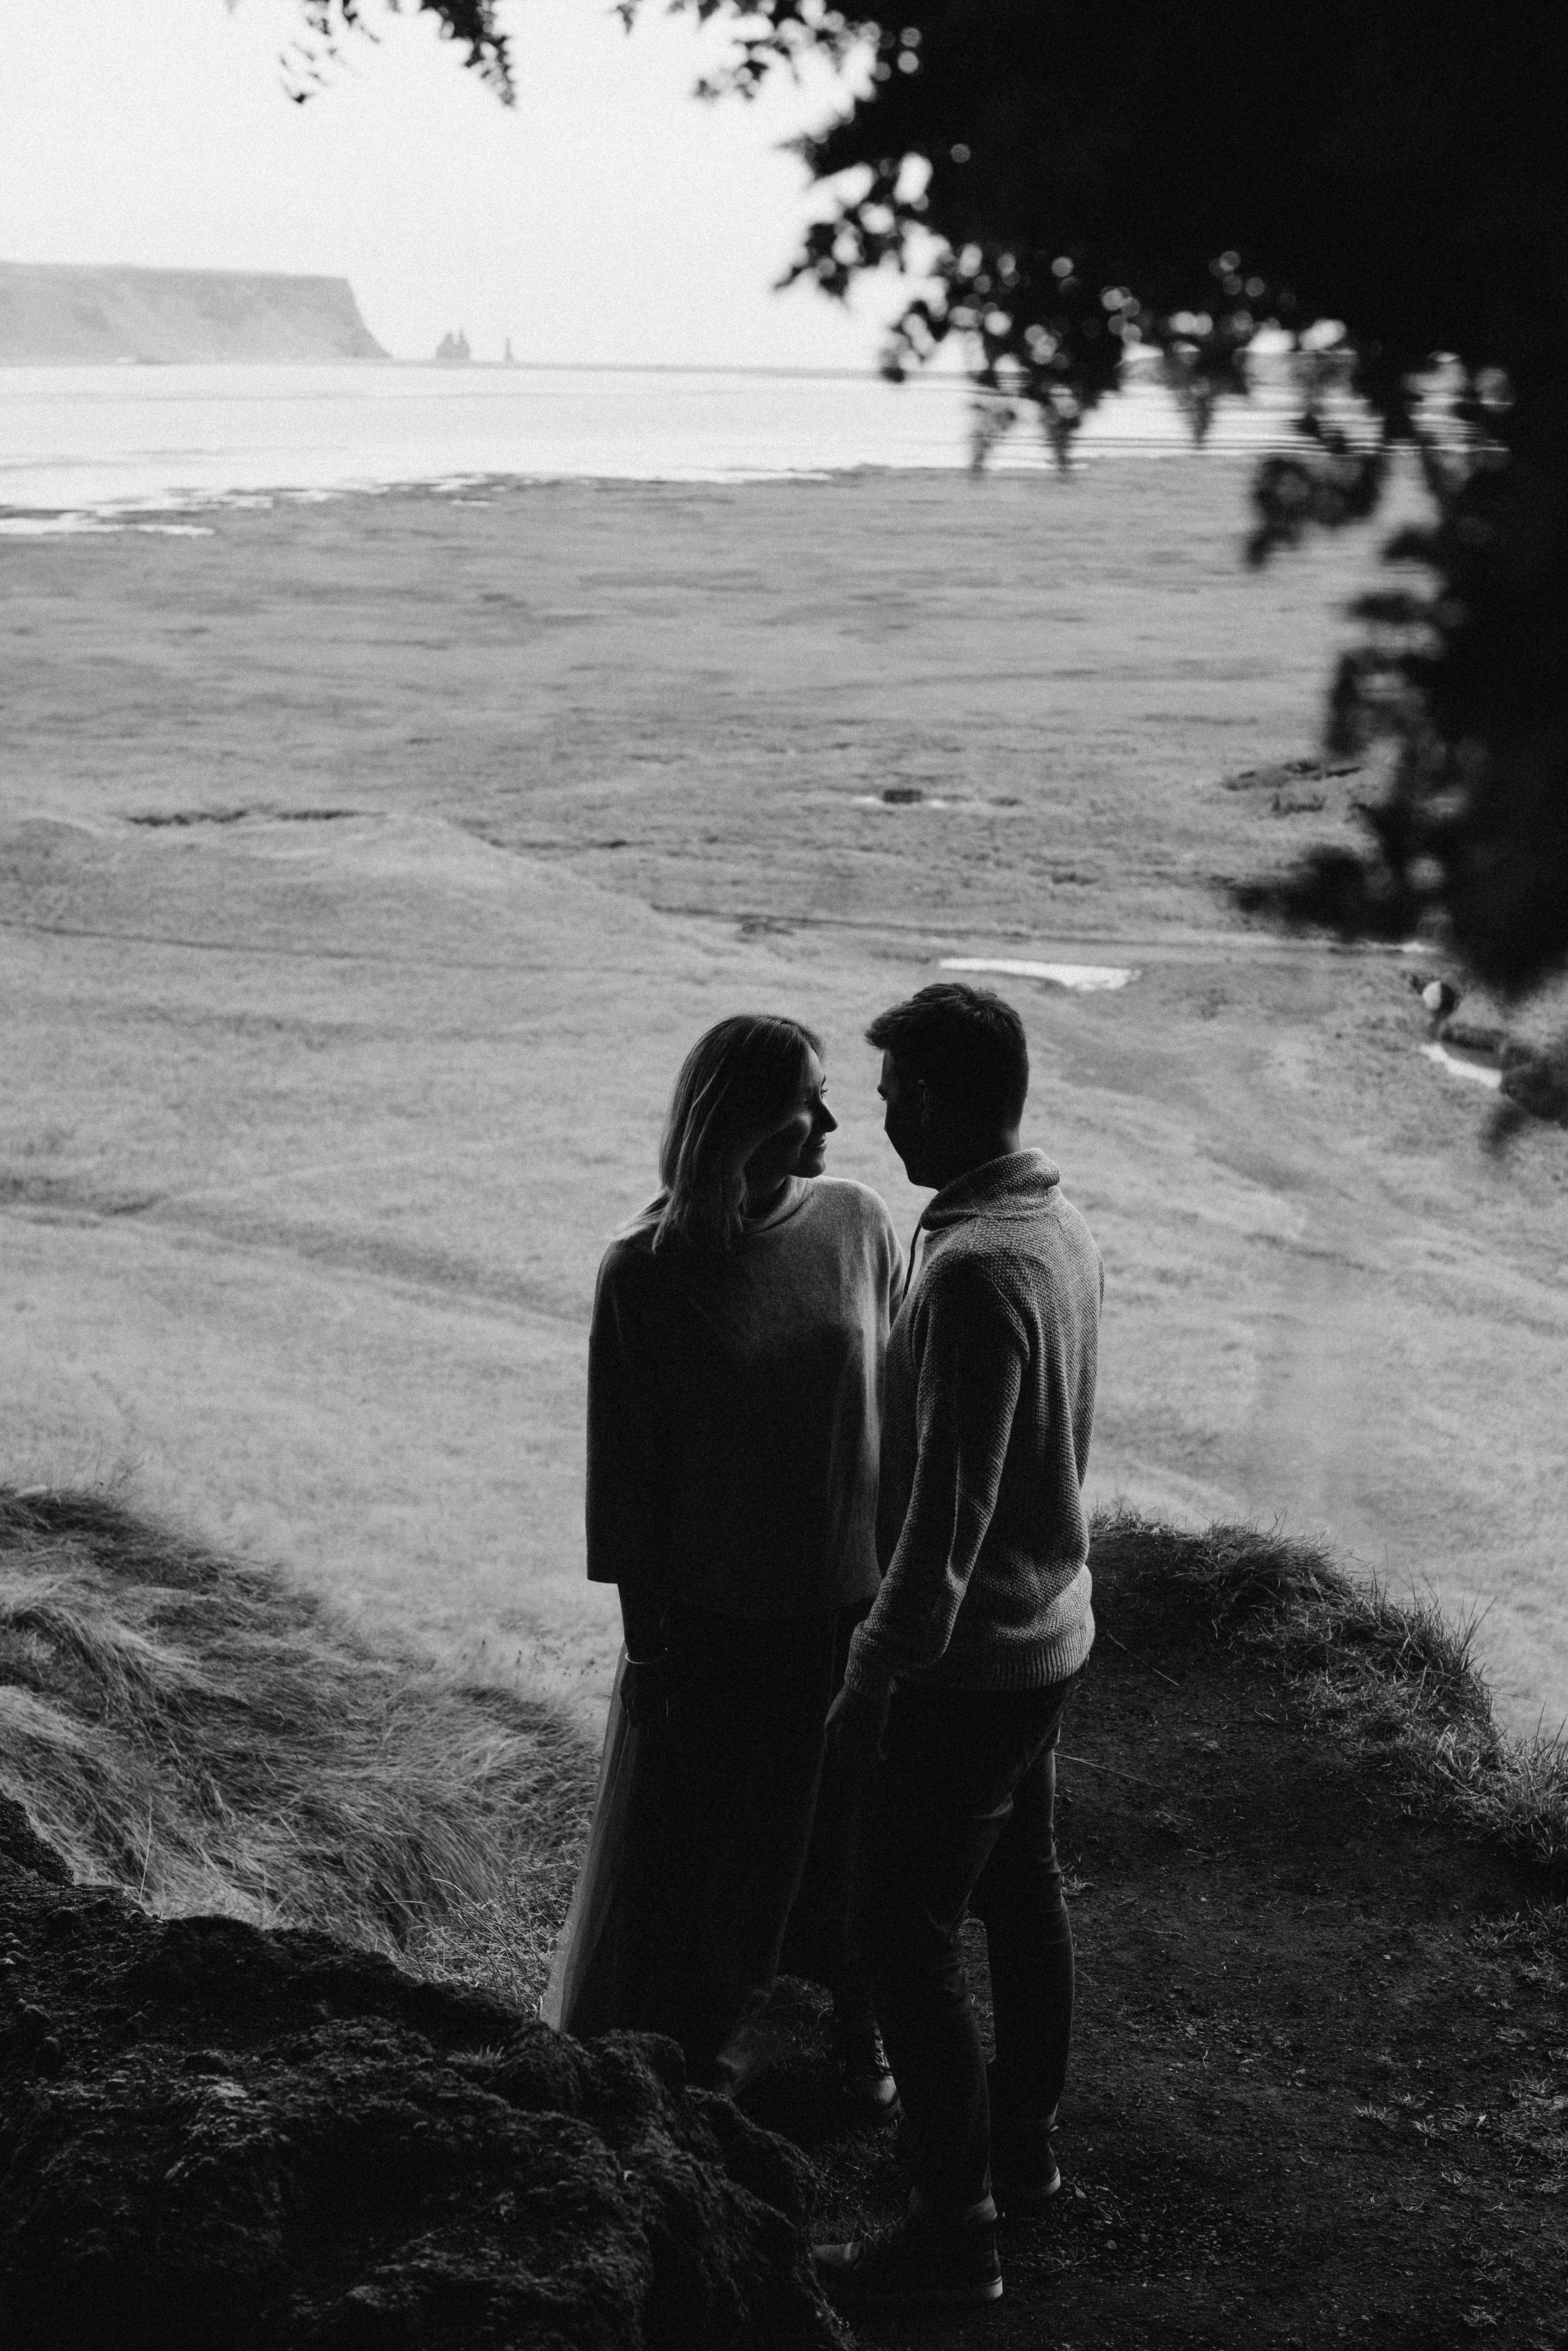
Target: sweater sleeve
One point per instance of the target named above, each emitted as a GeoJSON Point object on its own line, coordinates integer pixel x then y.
{"type": "Point", "coordinates": [623, 1509]}
{"type": "Point", "coordinates": [971, 1365]}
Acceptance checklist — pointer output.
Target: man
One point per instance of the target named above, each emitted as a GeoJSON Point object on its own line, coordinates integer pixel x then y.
{"type": "Point", "coordinates": [957, 1679]}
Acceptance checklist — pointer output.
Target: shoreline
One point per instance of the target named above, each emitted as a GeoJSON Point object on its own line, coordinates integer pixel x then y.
{"type": "Point", "coordinates": [82, 439]}
{"type": "Point", "coordinates": [463, 487]}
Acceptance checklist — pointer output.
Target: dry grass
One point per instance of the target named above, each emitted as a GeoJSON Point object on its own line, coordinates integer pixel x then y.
{"type": "Point", "coordinates": [205, 1735]}
{"type": "Point", "coordinates": [505, 1942]}
{"type": "Point", "coordinates": [1396, 1682]}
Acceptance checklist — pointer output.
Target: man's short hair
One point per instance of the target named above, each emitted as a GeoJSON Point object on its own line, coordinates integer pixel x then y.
{"type": "Point", "coordinates": [968, 1044]}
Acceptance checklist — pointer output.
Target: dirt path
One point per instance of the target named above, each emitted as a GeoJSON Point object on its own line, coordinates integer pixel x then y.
{"type": "Point", "coordinates": [1320, 2084]}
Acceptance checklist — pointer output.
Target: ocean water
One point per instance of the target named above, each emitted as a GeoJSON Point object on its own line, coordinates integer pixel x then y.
{"type": "Point", "coordinates": [86, 445]}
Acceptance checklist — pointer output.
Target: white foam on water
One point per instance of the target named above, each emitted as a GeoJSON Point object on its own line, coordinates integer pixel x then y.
{"type": "Point", "coordinates": [77, 525]}
{"type": "Point", "coordinates": [1087, 975]}
{"type": "Point", "coordinates": [1462, 1068]}
{"type": "Point", "coordinates": [53, 526]}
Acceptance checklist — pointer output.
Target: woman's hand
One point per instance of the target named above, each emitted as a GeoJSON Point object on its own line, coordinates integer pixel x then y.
{"type": "Point", "coordinates": [646, 1692]}
{"type": "Point", "coordinates": [854, 1730]}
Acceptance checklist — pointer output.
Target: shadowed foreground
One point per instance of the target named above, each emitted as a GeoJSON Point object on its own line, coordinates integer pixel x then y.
{"type": "Point", "coordinates": [1319, 2090]}
{"type": "Point", "coordinates": [218, 2133]}
{"type": "Point", "coordinates": [212, 2133]}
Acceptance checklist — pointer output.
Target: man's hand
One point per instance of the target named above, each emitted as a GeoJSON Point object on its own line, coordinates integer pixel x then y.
{"type": "Point", "coordinates": [646, 1692]}
{"type": "Point", "coordinates": [854, 1727]}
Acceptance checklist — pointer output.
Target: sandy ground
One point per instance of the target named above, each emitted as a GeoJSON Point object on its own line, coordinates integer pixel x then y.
{"type": "Point", "coordinates": [323, 1099]}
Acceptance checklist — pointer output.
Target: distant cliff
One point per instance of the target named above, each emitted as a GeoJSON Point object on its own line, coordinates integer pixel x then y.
{"type": "Point", "coordinates": [52, 313]}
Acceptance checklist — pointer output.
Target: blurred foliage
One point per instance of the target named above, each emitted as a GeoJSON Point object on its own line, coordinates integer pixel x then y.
{"type": "Point", "coordinates": [1068, 181]}
{"type": "Point", "coordinates": [308, 61]}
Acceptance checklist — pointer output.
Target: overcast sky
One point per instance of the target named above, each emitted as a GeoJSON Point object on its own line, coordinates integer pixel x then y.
{"type": "Point", "coordinates": [609, 215]}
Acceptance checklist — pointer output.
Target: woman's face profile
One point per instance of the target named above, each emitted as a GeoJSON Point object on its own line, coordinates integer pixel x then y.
{"type": "Point", "coordinates": [797, 1147]}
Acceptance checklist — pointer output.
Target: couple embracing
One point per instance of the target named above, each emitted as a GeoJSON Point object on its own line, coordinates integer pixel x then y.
{"type": "Point", "coordinates": [840, 1497]}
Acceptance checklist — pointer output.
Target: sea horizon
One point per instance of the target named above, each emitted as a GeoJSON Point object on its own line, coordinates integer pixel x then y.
{"type": "Point", "coordinates": [92, 445]}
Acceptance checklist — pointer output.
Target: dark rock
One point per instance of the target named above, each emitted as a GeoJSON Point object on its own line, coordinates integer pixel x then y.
{"type": "Point", "coordinates": [1537, 1081]}
{"type": "Point", "coordinates": [211, 2135]}
{"type": "Point", "coordinates": [1283, 776]}
{"type": "Point", "coordinates": [1473, 1036]}
{"type": "Point", "coordinates": [21, 1847]}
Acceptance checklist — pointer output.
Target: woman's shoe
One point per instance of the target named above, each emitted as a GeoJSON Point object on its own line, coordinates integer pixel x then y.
{"type": "Point", "coordinates": [747, 2064]}
{"type": "Point", "coordinates": [948, 2263]}
{"type": "Point", "coordinates": [865, 2078]}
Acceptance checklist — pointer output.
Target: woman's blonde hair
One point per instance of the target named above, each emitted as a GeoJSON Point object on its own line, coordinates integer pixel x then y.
{"type": "Point", "coordinates": [737, 1086]}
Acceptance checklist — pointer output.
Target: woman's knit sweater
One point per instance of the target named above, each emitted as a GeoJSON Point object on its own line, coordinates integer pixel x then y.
{"type": "Point", "coordinates": [733, 1409]}
{"type": "Point", "coordinates": [989, 1406]}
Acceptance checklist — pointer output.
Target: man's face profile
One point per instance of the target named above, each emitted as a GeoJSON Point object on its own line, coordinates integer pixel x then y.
{"type": "Point", "coordinates": [903, 1121]}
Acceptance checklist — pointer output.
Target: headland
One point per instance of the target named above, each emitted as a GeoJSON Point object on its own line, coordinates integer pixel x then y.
{"type": "Point", "coordinates": [67, 315]}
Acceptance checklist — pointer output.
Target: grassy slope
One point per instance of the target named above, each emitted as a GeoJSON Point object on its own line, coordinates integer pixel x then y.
{"type": "Point", "coordinates": [313, 1131]}
{"type": "Point", "coordinates": [1397, 1685]}
{"type": "Point", "coordinates": [204, 1734]}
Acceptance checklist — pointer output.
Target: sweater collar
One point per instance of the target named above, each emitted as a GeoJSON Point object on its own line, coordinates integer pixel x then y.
{"type": "Point", "coordinates": [1018, 1184]}
{"type": "Point", "coordinates": [793, 1198]}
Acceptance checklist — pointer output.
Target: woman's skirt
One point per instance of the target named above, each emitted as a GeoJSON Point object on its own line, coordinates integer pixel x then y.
{"type": "Point", "coordinates": [580, 1997]}
{"type": "Point", "coordinates": [701, 1831]}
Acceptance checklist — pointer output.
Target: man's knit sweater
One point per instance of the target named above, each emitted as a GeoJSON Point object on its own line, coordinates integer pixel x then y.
{"type": "Point", "coordinates": [986, 1416]}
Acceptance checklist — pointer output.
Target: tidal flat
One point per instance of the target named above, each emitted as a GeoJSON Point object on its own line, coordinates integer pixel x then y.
{"type": "Point", "coordinates": [367, 864]}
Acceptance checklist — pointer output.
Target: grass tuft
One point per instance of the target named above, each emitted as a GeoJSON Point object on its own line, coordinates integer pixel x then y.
{"type": "Point", "coordinates": [207, 1735]}
{"type": "Point", "coordinates": [1396, 1681]}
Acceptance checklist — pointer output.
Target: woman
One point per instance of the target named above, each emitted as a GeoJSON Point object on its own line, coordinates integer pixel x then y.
{"type": "Point", "coordinates": [734, 1374]}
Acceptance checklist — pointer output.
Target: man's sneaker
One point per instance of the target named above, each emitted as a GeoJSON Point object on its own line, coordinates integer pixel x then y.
{"type": "Point", "coordinates": [865, 2076]}
{"type": "Point", "coordinates": [939, 2263]}
{"type": "Point", "coordinates": [1024, 2174]}
{"type": "Point", "coordinates": [1028, 2185]}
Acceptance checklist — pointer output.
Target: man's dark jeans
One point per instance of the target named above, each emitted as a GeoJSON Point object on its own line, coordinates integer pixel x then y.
{"type": "Point", "coordinates": [958, 1816]}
